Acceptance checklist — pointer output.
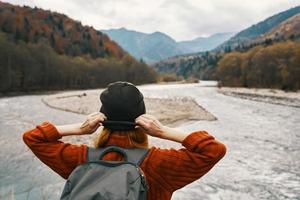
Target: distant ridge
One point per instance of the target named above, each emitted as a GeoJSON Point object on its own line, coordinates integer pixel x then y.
{"type": "Point", "coordinates": [204, 43]}
{"type": "Point", "coordinates": [158, 46]}
{"type": "Point", "coordinates": [149, 47]}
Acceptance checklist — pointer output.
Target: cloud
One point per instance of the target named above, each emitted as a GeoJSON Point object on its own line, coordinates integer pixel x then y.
{"type": "Point", "coordinates": [181, 19]}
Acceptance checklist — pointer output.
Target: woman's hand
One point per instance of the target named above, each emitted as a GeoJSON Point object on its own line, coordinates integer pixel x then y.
{"type": "Point", "coordinates": [92, 123]}
{"type": "Point", "coordinates": [150, 124]}
{"type": "Point", "coordinates": [154, 128]}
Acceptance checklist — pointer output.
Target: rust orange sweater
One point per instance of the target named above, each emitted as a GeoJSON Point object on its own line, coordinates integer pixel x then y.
{"type": "Point", "coordinates": [166, 170]}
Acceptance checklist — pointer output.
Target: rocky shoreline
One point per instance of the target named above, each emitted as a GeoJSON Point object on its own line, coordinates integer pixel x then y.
{"type": "Point", "coordinates": [170, 111]}
{"type": "Point", "coordinates": [272, 96]}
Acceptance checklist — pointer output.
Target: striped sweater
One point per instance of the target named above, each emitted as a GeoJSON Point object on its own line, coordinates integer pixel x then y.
{"type": "Point", "coordinates": [166, 170]}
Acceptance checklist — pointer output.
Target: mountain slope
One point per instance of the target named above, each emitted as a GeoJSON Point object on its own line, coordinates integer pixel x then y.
{"type": "Point", "coordinates": [288, 29]}
{"type": "Point", "coordinates": [259, 29]}
{"type": "Point", "coordinates": [65, 35]}
{"type": "Point", "coordinates": [44, 50]}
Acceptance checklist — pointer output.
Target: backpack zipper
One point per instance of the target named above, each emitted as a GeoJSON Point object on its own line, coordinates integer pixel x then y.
{"type": "Point", "coordinates": [143, 178]}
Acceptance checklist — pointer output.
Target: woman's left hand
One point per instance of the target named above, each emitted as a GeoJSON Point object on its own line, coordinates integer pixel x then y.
{"type": "Point", "coordinates": [92, 123]}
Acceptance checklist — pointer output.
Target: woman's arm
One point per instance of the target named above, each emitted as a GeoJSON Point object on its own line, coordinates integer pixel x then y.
{"type": "Point", "coordinates": [154, 128]}
{"type": "Point", "coordinates": [173, 169]}
{"type": "Point", "coordinates": [59, 156]}
{"type": "Point", "coordinates": [92, 123]}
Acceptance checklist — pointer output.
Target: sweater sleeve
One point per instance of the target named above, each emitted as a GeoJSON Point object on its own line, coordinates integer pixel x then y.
{"type": "Point", "coordinates": [173, 169]}
{"type": "Point", "coordinates": [59, 156]}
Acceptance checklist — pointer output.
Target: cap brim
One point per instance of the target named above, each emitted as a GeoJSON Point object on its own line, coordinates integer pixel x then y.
{"type": "Point", "coordinates": [119, 125]}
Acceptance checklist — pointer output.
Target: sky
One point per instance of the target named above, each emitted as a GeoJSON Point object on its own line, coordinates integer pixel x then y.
{"type": "Point", "coordinates": [180, 19]}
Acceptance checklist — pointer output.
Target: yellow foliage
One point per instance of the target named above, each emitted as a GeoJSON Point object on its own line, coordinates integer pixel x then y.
{"type": "Point", "coordinates": [273, 66]}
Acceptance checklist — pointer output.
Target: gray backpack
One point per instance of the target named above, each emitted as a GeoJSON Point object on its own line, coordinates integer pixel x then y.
{"type": "Point", "coordinates": [108, 180]}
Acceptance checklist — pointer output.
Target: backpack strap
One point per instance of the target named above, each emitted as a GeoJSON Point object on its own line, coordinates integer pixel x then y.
{"type": "Point", "coordinates": [135, 155]}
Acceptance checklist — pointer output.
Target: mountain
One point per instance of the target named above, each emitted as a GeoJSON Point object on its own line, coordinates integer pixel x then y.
{"type": "Point", "coordinates": [204, 43]}
{"type": "Point", "coordinates": [158, 46]}
{"type": "Point", "coordinates": [259, 29]}
{"type": "Point", "coordinates": [149, 47]}
{"type": "Point", "coordinates": [288, 29]}
{"type": "Point", "coordinates": [203, 65]}
{"type": "Point", "coordinates": [44, 50]}
{"type": "Point", "coordinates": [62, 33]}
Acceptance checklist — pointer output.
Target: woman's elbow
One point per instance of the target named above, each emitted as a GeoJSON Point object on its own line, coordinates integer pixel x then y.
{"type": "Point", "coordinates": [221, 150]}
{"type": "Point", "coordinates": [27, 138]}
{"type": "Point", "coordinates": [215, 152]}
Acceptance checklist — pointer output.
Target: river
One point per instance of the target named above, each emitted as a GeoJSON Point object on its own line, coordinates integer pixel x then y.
{"type": "Point", "coordinates": [262, 139]}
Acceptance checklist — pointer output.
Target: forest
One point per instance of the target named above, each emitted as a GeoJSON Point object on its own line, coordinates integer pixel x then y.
{"type": "Point", "coordinates": [276, 65]}
{"type": "Point", "coordinates": [65, 35]}
{"type": "Point", "coordinates": [201, 65]}
{"type": "Point", "coordinates": [28, 66]}
{"type": "Point", "coordinates": [44, 50]}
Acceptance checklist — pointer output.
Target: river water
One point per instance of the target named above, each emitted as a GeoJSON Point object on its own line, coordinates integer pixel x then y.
{"type": "Point", "coordinates": [263, 146]}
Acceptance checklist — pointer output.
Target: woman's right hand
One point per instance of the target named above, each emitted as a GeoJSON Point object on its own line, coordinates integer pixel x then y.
{"type": "Point", "coordinates": [154, 128]}
{"type": "Point", "coordinates": [150, 124]}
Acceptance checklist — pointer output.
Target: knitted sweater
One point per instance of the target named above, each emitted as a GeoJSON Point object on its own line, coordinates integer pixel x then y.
{"type": "Point", "coordinates": [166, 170]}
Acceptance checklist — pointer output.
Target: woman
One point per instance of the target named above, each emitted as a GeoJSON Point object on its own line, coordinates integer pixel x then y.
{"type": "Point", "coordinates": [166, 170]}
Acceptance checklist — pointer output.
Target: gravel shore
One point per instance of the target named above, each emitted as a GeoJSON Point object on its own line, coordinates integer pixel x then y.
{"type": "Point", "coordinates": [273, 96]}
{"type": "Point", "coordinates": [170, 111]}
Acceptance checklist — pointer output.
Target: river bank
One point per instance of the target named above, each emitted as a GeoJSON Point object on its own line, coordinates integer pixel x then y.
{"type": "Point", "coordinates": [170, 111]}
{"type": "Point", "coordinates": [49, 92]}
{"type": "Point", "coordinates": [273, 96]}
{"type": "Point", "coordinates": [262, 140]}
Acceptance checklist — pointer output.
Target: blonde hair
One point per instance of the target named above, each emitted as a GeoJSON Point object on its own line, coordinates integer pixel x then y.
{"type": "Point", "coordinates": [137, 138]}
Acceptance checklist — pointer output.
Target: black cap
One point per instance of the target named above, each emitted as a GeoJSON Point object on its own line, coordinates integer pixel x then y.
{"type": "Point", "coordinates": [122, 101]}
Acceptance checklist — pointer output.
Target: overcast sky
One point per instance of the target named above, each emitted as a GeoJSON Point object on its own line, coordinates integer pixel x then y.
{"type": "Point", "coordinates": [181, 19]}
